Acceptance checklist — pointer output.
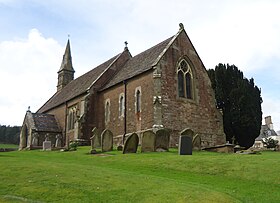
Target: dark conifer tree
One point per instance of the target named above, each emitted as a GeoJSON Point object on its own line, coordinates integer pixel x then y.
{"type": "Point", "coordinates": [9, 135]}
{"type": "Point", "coordinates": [240, 99]}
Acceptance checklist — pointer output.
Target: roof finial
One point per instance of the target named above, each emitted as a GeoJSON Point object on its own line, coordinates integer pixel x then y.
{"type": "Point", "coordinates": [181, 26]}
{"type": "Point", "coordinates": [125, 44]}
{"type": "Point", "coordinates": [68, 36]}
{"type": "Point", "coordinates": [28, 110]}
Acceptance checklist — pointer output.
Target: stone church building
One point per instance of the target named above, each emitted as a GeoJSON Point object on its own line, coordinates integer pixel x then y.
{"type": "Point", "coordinates": [166, 86]}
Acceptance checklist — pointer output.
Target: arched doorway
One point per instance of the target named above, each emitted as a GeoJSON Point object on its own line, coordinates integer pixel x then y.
{"type": "Point", "coordinates": [24, 137]}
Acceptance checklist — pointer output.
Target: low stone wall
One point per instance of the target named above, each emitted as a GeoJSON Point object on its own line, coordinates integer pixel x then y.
{"type": "Point", "coordinates": [8, 149]}
{"type": "Point", "coordinates": [227, 148]}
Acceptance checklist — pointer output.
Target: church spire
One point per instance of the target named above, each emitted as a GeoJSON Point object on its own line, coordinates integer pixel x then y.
{"type": "Point", "coordinates": [66, 71]}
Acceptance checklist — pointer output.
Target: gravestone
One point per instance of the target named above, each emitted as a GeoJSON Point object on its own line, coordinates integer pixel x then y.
{"type": "Point", "coordinates": [148, 141]}
{"type": "Point", "coordinates": [47, 145]}
{"type": "Point", "coordinates": [35, 139]}
{"type": "Point", "coordinates": [47, 137]}
{"type": "Point", "coordinates": [162, 140]}
{"type": "Point", "coordinates": [131, 144]}
{"type": "Point", "coordinates": [187, 132]}
{"type": "Point", "coordinates": [106, 141]}
{"type": "Point", "coordinates": [95, 140]}
{"type": "Point", "coordinates": [58, 138]}
{"type": "Point", "coordinates": [196, 142]}
{"type": "Point", "coordinates": [185, 145]}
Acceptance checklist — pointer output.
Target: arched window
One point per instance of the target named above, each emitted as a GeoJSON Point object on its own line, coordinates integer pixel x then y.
{"type": "Point", "coordinates": [71, 118]}
{"type": "Point", "coordinates": [181, 90]}
{"type": "Point", "coordinates": [138, 101]}
{"type": "Point", "coordinates": [107, 111]}
{"type": "Point", "coordinates": [121, 105]}
{"type": "Point", "coordinates": [185, 80]}
{"type": "Point", "coordinates": [188, 85]}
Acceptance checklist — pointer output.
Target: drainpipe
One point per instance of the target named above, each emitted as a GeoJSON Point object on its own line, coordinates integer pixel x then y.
{"type": "Point", "coordinates": [65, 129]}
{"type": "Point", "coordinates": [125, 104]}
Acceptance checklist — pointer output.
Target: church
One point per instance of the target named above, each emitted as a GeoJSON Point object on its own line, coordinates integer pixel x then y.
{"type": "Point", "coordinates": [166, 86]}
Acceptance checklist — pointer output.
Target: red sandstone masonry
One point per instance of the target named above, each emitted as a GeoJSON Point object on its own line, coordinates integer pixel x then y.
{"type": "Point", "coordinates": [169, 110]}
{"type": "Point", "coordinates": [116, 124]}
{"type": "Point", "coordinates": [199, 114]}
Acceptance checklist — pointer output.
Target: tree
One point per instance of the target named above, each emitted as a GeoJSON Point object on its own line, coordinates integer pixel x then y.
{"type": "Point", "coordinates": [240, 99]}
{"type": "Point", "coordinates": [9, 135]}
{"type": "Point", "coordinates": [270, 142]}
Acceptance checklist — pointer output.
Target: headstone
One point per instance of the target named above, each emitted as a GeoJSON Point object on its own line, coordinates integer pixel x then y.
{"type": "Point", "coordinates": [58, 138]}
{"type": "Point", "coordinates": [35, 139]}
{"type": "Point", "coordinates": [95, 139]}
{"type": "Point", "coordinates": [187, 132]}
{"type": "Point", "coordinates": [162, 140]}
{"type": "Point", "coordinates": [47, 137]}
{"type": "Point", "coordinates": [47, 145]}
{"type": "Point", "coordinates": [196, 142]}
{"type": "Point", "coordinates": [131, 144]}
{"type": "Point", "coordinates": [185, 145]}
{"type": "Point", "coordinates": [148, 141]}
{"type": "Point", "coordinates": [106, 141]}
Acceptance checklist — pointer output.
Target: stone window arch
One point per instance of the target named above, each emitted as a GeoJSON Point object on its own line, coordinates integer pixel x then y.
{"type": "Point", "coordinates": [121, 105]}
{"type": "Point", "coordinates": [107, 111]}
{"type": "Point", "coordinates": [185, 80]}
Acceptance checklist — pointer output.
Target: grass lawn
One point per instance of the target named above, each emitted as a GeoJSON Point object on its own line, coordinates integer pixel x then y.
{"type": "Point", "coordinates": [76, 176]}
{"type": "Point", "coordinates": [8, 146]}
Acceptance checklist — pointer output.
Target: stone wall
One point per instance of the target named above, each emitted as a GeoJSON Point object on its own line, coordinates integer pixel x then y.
{"type": "Point", "coordinates": [200, 113]}
{"type": "Point", "coordinates": [61, 116]}
{"type": "Point", "coordinates": [134, 121]}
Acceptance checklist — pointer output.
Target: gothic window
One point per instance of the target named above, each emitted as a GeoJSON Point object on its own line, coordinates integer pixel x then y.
{"type": "Point", "coordinates": [107, 111]}
{"type": "Point", "coordinates": [185, 80]}
{"type": "Point", "coordinates": [71, 118]}
{"type": "Point", "coordinates": [181, 90]}
{"type": "Point", "coordinates": [121, 105]}
{"type": "Point", "coordinates": [188, 86]}
{"type": "Point", "coordinates": [138, 101]}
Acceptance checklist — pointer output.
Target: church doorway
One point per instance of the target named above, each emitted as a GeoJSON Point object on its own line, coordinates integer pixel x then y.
{"type": "Point", "coordinates": [24, 136]}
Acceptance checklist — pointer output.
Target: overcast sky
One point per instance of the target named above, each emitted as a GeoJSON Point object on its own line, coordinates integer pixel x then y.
{"type": "Point", "coordinates": [33, 36]}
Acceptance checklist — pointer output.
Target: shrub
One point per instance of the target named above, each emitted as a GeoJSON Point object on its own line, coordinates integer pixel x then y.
{"type": "Point", "coordinates": [270, 142]}
{"type": "Point", "coordinates": [73, 145]}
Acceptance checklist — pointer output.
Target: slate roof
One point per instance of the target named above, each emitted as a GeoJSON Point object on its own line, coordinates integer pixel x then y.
{"type": "Point", "coordinates": [264, 133]}
{"type": "Point", "coordinates": [139, 64]}
{"type": "Point", "coordinates": [135, 66]}
{"type": "Point", "coordinates": [76, 87]}
{"type": "Point", "coordinates": [45, 123]}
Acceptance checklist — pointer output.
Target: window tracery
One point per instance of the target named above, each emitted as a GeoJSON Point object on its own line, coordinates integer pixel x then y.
{"type": "Point", "coordinates": [185, 80]}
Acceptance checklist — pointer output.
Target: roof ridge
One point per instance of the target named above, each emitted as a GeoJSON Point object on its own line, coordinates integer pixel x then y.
{"type": "Point", "coordinates": [167, 46]}
{"type": "Point", "coordinates": [85, 81]}
{"type": "Point", "coordinates": [56, 93]}
{"type": "Point", "coordinates": [139, 63]}
{"type": "Point", "coordinates": [117, 57]}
